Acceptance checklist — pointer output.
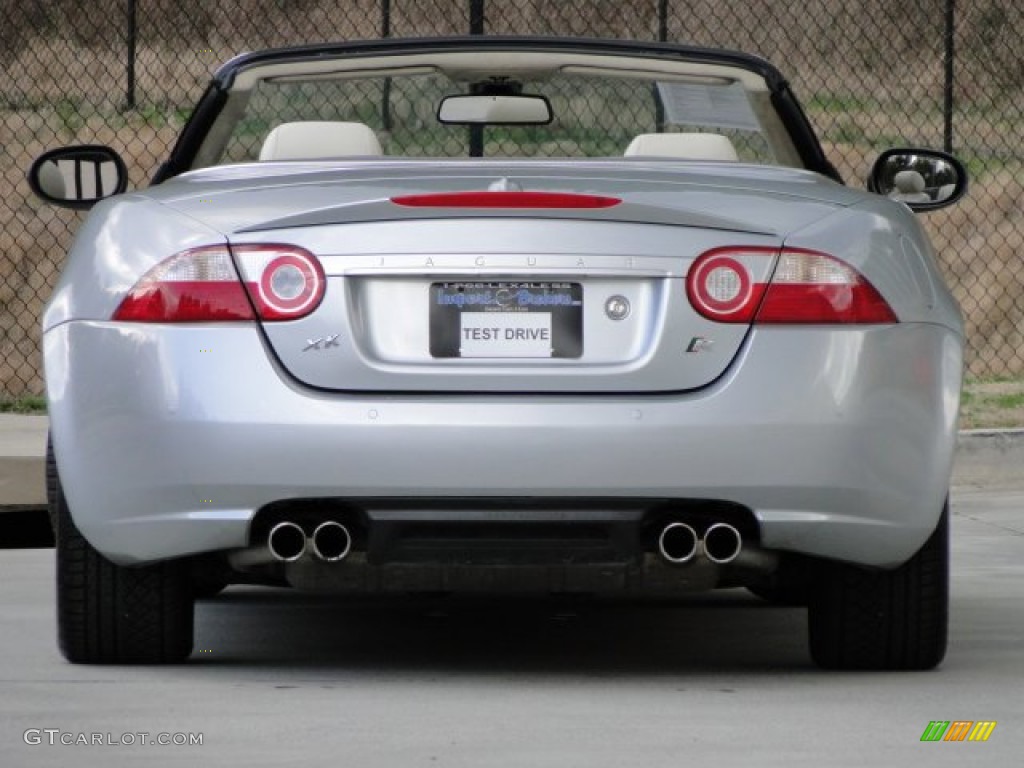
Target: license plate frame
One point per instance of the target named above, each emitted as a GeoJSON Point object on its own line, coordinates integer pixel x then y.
{"type": "Point", "coordinates": [458, 307]}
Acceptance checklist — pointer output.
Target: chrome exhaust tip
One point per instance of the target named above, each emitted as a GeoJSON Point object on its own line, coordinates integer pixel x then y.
{"type": "Point", "coordinates": [722, 543]}
{"type": "Point", "coordinates": [331, 542]}
{"type": "Point", "coordinates": [677, 543]}
{"type": "Point", "coordinates": [286, 542]}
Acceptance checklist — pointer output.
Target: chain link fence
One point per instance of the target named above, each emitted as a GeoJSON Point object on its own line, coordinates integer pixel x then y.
{"type": "Point", "coordinates": [872, 74]}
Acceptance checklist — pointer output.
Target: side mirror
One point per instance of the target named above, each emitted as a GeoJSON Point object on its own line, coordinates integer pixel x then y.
{"type": "Point", "coordinates": [78, 177]}
{"type": "Point", "coordinates": [924, 179]}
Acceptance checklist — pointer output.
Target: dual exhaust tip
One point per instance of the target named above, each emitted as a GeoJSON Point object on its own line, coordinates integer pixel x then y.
{"type": "Point", "coordinates": [330, 542]}
{"type": "Point", "coordinates": [678, 543]}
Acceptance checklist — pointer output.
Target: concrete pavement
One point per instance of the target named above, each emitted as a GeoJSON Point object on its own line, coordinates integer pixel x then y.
{"type": "Point", "coordinates": [721, 680]}
{"type": "Point", "coordinates": [991, 459]}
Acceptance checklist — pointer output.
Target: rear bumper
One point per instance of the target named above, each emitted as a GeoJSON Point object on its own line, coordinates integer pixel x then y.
{"type": "Point", "coordinates": [169, 439]}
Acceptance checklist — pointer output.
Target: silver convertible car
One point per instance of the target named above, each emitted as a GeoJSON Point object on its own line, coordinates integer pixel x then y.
{"type": "Point", "coordinates": [502, 315]}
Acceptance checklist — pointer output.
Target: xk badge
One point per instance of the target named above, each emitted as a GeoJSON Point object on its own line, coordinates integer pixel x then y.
{"type": "Point", "coordinates": [322, 343]}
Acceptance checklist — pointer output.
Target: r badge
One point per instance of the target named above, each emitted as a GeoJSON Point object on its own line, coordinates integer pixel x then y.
{"type": "Point", "coordinates": [700, 344]}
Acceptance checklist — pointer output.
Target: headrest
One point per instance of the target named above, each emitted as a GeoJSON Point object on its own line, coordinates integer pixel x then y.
{"type": "Point", "coordinates": [908, 182]}
{"type": "Point", "coordinates": [316, 139]}
{"type": "Point", "coordinates": [686, 146]}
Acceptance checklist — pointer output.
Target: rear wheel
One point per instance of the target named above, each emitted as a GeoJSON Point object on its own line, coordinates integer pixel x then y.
{"type": "Point", "coordinates": [868, 619]}
{"type": "Point", "coordinates": [110, 614]}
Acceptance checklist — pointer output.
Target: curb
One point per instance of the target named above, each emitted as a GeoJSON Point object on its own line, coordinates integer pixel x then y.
{"type": "Point", "coordinates": [985, 458]}
{"type": "Point", "coordinates": [989, 458]}
{"type": "Point", "coordinates": [22, 459]}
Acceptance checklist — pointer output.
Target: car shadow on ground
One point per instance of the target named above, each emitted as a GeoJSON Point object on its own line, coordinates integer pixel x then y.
{"type": "Point", "coordinates": [499, 636]}
{"type": "Point", "coordinates": [25, 527]}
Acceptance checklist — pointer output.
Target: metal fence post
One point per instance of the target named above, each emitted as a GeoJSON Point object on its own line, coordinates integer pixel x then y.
{"type": "Point", "coordinates": [129, 102]}
{"type": "Point", "coordinates": [659, 108]}
{"type": "Point", "coordinates": [385, 31]}
{"type": "Point", "coordinates": [476, 27]}
{"type": "Point", "coordinates": [947, 96]}
{"type": "Point", "coordinates": [476, 17]}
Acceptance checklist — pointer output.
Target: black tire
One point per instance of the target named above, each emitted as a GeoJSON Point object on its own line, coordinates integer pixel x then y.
{"type": "Point", "coordinates": [870, 619]}
{"type": "Point", "coordinates": [51, 486]}
{"type": "Point", "coordinates": [110, 614]}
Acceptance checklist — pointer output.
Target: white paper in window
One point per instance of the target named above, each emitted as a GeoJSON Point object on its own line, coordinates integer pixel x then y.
{"type": "Point", "coordinates": [715, 106]}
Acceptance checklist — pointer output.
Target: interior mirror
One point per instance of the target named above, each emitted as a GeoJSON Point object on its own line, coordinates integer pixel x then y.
{"type": "Point", "coordinates": [498, 109]}
{"type": "Point", "coordinates": [924, 179]}
{"type": "Point", "coordinates": [78, 177]}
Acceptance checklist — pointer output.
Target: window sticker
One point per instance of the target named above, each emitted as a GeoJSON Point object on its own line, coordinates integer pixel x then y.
{"type": "Point", "coordinates": [715, 106]}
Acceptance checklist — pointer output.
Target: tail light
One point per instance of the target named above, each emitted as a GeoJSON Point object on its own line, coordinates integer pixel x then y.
{"type": "Point", "coordinates": [192, 286]}
{"type": "Point", "coordinates": [281, 282]}
{"type": "Point", "coordinates": [505, 199]}
{"type": "Point", "coordinates": [284, 282]}
{"type": "Point", "coordinates": [732, 285]}
{"type": "Point", "coordinates": [723, 284]}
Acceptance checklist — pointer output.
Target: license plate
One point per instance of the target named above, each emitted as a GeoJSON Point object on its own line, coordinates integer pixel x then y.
{"type": "Point", "coordinates": [506, 320]}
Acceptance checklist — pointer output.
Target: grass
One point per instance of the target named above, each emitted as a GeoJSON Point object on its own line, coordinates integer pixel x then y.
{"type": "Point", "coordinates": [157, 116]}
{"type": "Point", "coordinates": [26, 404]}
{"type": "Point", "coordinates": [992, 403]}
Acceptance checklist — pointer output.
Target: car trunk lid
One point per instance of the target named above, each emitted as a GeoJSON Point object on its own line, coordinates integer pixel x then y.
{"type": "Point", "coordinates": [447, 294]}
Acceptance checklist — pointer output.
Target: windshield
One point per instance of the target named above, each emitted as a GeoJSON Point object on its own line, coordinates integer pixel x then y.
{"type": "Point", "coordinates": [501, 99]}
{"type": "Point", "coordinates": [593, 116]}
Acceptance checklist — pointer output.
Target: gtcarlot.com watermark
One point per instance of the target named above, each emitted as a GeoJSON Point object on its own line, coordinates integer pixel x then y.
{"type": "Point", "coordinates": [55, 737]}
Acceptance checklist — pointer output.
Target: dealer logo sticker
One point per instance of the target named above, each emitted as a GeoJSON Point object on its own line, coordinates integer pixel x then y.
{"type": "Point", "coordinates": [958, 730]}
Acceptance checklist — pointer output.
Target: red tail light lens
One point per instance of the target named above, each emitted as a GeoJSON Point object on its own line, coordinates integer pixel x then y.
{"type": "Point", "coordinates": [728, 285]}
{"type": "Point", "coordinates": [505, 199]}
{"type": "Point", "coordinates": [723, 287]}
{"type": "Point", "coordinates": [281, 282]}
{"type": "Point", "coordinates": [284, 282]}
{"type": "Point", "coordinates": [810, 287]}
{"type": "Point", "coordinates": [199, 285]}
